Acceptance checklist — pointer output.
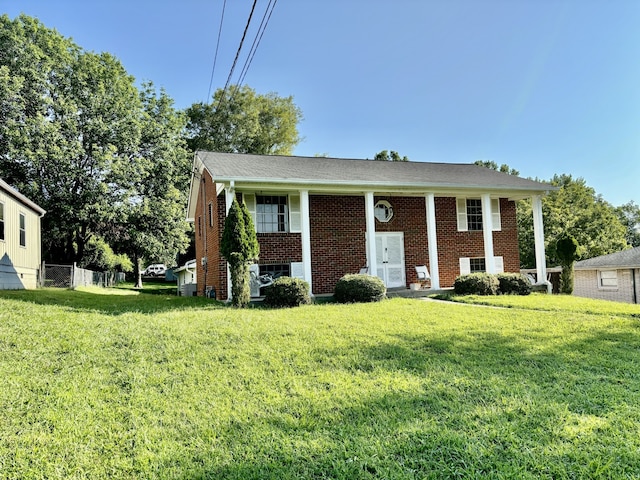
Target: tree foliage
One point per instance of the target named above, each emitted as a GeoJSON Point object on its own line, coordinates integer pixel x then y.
{"type": "Point", "coordinates": [629, 215]}
{"type": "Point", "coordinates": [567, 253]}
{"type": "Point", "coordinates": [239, 120]}
{"type": "Point", "coordinates": [239, 246]}
{"type": "Point", "coordinates": [574, 209]}
{"type": "Point", "coordinates": [79, 138]}
{"type": "Point", "coordinates": [504, 168]}
{"type": "Point", "coordinates": [390, 156]}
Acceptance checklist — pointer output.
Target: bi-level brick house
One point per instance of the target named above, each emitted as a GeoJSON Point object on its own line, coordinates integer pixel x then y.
{"type": "Point", "coordinates": [320, 218]}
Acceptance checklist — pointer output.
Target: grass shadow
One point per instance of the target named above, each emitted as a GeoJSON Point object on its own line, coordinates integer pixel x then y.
{"type": "Point", "coordinates": [111, 301]}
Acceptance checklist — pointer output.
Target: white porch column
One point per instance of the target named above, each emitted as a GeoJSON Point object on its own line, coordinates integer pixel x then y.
{"type": "Point", "coordinates": [487, 233]}
{"type": "Point", "coordinates": [229, 195]}
{"type": "Point", "coordinates": [538, 235]}
{"type": "Point", "coordinates": [432, 240]}
{"type": "Point", "coordinates": [371, 234]}
{"type": "Point", "coordinates": [306, 237]}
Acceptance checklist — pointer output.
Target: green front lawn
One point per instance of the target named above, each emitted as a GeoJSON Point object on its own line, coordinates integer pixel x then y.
{"type": "Point", "coordinates": [122, 384]}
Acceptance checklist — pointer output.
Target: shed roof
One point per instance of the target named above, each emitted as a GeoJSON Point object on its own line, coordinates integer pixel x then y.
{"type": "Point", "coordinates": [9, 190]}
{"type": "Point", "coordinates": [625, 259]}
{"type": "Point", "coordinates": [340, 171]}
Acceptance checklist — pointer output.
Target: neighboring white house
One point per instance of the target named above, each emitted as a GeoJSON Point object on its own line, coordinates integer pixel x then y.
{"type": "Point", "coordinates": [20, 247]}
{"type": "Point", "coordinates": [613, 277]}
{"type": "Point", "coordinates": [186, 278]}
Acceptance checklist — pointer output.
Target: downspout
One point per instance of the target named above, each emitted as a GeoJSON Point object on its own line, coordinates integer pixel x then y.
{"type": "Point", "coordinates": [635, 288]}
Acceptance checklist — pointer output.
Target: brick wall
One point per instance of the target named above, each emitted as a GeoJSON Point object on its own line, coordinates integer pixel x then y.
{"type": "Point", "coordinates": [586, 285]}
{"type": "Point", "coordinates": [453, 244]}
{"type": "Point", "coordinates": [207, 235]}
{"type": "Point", "coordinates": [338, 229]}
{"type": "Point", "coordinates": [338, 238]}
{"type": "Point", "coordinates": [409, 216]}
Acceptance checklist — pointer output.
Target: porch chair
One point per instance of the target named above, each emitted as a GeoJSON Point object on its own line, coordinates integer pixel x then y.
{"type": "Point", "coordinates": [423, 275]}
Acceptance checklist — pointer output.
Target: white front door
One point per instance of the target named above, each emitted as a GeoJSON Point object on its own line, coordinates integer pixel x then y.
{"type": "Point", "coordinates": [390, 258]}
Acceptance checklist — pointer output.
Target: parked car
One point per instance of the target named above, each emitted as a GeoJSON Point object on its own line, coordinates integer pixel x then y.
{"type": "Point", "coordinates": [155, 270]}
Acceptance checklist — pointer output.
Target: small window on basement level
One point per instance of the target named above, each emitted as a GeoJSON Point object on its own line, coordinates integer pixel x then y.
{"type": "Point", "coordinates": [477, 265]}
{"type": "Point", "coordinates": [608, 279]}
{"type": "Point", "coordinates": [276, 270]}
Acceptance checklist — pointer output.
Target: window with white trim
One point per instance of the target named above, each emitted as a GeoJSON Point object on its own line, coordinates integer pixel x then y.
{"type": "Point", "coordinates": [479, 264]}
{"type": "Point", "coordinates": [469, 214]}
{"type": "Point", "coordinates": [274, 213]}
{"type": "Point", "coordinates": [1, 221]}
{"type": "Point", "coordinates": [23, 230]}
{"type": "Point", "coordinates": [607, 279]}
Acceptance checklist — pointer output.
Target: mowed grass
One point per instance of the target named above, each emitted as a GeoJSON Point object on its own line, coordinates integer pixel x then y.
{"type": "Point", "coordinates": [121, 384]}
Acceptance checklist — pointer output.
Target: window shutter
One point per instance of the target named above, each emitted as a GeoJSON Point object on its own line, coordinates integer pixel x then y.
{"type": "Point", "coordinates": [295, 215]}
{"type": "Point", "coordinates": [499, 264]}
{"type": "Point", "coordinates": [250, 202]}
{"type": "Point", "coordinates": [461, 207]}
{"type": "Point", "coordinates": [297, 270]}
{"type": "Point", "coordinates": [495, 214]}
{"type": "Point", "coordinates": [465, 266]}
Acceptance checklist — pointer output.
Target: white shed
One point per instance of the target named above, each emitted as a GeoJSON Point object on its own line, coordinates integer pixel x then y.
{"type": "Point", "coordinates": [186, 278]}
{"type": "Point", "coordinates": [20, 239]}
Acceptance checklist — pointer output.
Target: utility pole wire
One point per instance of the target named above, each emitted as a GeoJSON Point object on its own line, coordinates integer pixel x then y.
{"type": "Point", "coordinates": [233, 66]}
{"type": "Point", "coordinates": [257, 40]}
{"type": "Point", "coordinates": [215, 58]}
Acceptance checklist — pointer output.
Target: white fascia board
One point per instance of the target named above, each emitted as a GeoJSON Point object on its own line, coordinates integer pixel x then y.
{"type": "Point", "coordinates": [383, 188]}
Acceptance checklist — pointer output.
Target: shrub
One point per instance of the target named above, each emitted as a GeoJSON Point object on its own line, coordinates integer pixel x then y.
{"type": "Point", "coordinates": [287, 292]}
{"type": "Point", "coordinates": [476, 284]}
{"type": "Point", "coordinates": [514, 283]}
{"type": "Point", "coordinates": [359, 288]}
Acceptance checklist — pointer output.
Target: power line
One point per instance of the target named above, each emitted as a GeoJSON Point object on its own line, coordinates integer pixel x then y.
{"type": "Point", "coordinates": [215, 58]}
{"type": "Point", "coordinates": [258, 38]}
{"type": "Point", "coordinates": [233, 66]}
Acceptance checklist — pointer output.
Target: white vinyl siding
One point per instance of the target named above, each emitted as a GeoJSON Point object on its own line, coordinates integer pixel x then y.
{"type": "Point", "coordinates": [469, 216]}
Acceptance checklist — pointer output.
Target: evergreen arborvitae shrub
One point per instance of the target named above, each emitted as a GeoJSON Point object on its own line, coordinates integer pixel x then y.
{"type": "Point", "coordinates": [287, 292]}
{"type": "Point", "coordinates": [513, 283]}
{"type": "Point", "coordinates": [476, 284]}
{"type": "Point", "coordinates": [359, 288]}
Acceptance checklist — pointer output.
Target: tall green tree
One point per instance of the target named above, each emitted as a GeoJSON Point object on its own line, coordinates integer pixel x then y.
{"type": "Point", "coordinates": [105, 160]}
{"type": "Point", "coordinates": [566, 249]}
{"type": "Point", "coordinates": [239, 120]}
{"type": "Point", "coordinates": [576, 210]}
{"type": "Point", "coordinates": [151, 223]}
{"type": "Point", "coordinates": [629, 215]}
{"type": "Point", "coordinates": [239, 246]}
{"type": "Point", "coordinates": [390, 156]}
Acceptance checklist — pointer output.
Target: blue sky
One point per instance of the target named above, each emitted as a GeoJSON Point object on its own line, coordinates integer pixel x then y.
{"type": "Point", "coordinates": [545, 86]}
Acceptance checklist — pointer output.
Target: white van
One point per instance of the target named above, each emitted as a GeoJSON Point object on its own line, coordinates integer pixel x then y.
{"type": "Point", "coordinates": [155, 270]}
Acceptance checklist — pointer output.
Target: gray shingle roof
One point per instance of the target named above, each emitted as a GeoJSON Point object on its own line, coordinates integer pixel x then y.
{"type": "Point", "coordinates": [321, 170]}
{"type": "Point", "coordinates": [625, 259]}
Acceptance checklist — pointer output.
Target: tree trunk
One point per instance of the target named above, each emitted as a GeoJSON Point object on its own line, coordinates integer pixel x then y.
{"type": "Point", "coordinates": [137, 271]}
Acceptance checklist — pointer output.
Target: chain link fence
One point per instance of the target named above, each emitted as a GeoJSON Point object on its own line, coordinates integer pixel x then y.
{"type": "Point", "coordinates": [72, 276]}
